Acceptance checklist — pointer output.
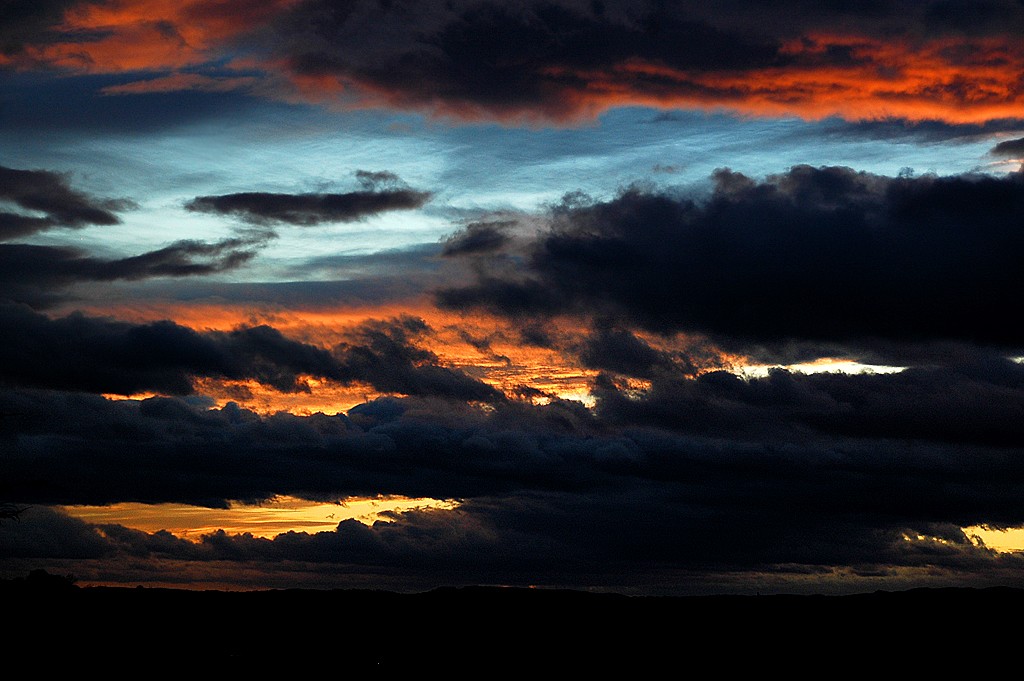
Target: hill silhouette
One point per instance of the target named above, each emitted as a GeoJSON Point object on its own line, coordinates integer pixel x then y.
{"type": "Point", "coordinates": [493, 631]}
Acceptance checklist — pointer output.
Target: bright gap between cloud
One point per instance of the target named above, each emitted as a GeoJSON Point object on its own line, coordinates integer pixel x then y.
{"type": "Point", "coordinates": [269, 519]}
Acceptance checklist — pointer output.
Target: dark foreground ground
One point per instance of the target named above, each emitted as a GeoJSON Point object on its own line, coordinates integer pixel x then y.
{"type": "Point", "coordinates": [499, 633]}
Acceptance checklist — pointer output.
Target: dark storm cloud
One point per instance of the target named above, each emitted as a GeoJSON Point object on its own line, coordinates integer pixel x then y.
{"type": "Point", "coordinates": [940, 17]}
{"type": "Point", "coordinates": [621, 351]}
{"type": "Point", "coordinates": [246, 456]}
{"type": "Point", "coordinates": [49, 534]}
{"type": "Point", "coordinates": [543, 60]}
{"type": "Point", "coordinates": [106, 356]}
{"type": "Point", "coordinates": [976, 400]}
{"type": "Point", "coordinates": [1008, 148]}
{"type": "Point", "coordinates": [38, 275]}
{"type": "Point", "coordinates": [566, 59]}
{"type": "Point", "coordinates": [515, 541]}
{"type": "Point", "coordinates": [595, 540]}
{"type": "Point", "coordinates": [497, 57]}
{"type": "Point", "coordinates": [720, 431]}
{"type": "Point", "coordinates": [821, 255]}
{"type": "Point", "coordinates": [379, 193]}
{"type": "Point", "coordinates": [788, 472]}
{"type": "Point", "coordinates": [382, 353]}
{"type": "Point", "coordinates": [48, 193]}
{"type": "Point", "coordinates": [98, 355]}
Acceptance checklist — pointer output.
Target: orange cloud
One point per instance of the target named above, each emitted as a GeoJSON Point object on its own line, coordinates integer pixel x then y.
{"type": "Point", "coordinates": [490, 349]}
{"type": "Point", "coordinates": [948, 80]}
{"type": "Point", "coordinates": [149, 35]}
{"type": "Point", "coordinates": [954, 78]}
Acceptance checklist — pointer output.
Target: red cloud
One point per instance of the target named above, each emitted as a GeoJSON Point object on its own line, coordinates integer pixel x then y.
{"type": "Point", "coordinates": [146, 35]}
{"type": "Point", "coordinates": [556, 67]}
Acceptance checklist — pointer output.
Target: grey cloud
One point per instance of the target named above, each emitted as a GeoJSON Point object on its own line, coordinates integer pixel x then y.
{"type": "Point", "coordinates": [478, 237]}
{"type": "Point", "coordinates": [380, 192]}
{"type": "Point", "coordinates": [49, 193]}
{"type": "Point", "coordinates": [40, 275]}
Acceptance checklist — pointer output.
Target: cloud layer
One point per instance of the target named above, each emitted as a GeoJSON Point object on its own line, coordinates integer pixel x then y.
{"type": "Point", "coordinates": [191, 371]}
{"type": "Point", "coordinates": [552, 60]}
{"type": "Point", "coordinates": [674, 471]}
{"type": "Point", "coordinates": [783, 475]}
{"type": "Point", "coordinates": [826, 256]}
{"type": "Point", "coordinates": [81, 353]}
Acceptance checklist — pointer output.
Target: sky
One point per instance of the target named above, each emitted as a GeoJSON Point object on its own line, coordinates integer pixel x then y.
{"type": "Point", "coordinates": [649, 297]}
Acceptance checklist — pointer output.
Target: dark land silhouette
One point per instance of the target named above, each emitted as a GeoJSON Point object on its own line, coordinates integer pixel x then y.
{"type": "Point", "coordinates": [492, 632]}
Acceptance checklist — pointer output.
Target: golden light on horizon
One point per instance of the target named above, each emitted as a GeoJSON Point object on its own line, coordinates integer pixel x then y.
{"type": "Point", "coordinates": [273, 517]}
{"type": "Point", "coordinates": [1009, 540]}
{"type": "Point", "coordinates": [322, 396]}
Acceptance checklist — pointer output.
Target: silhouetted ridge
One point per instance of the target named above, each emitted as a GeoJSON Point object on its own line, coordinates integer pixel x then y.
{"type": "Point", "coordinates": [483, 629]}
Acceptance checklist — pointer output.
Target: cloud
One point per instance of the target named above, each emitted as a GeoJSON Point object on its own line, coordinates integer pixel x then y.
{"type": "Point", "coordinates": [925, 131]}
{"type": "Point", "coordinates": [621, 351]}
{"type": "Point", "coordinates": [99, 355]}
{"type": "Point", "coordinates": [42, 191]}
{"type": "Point", "coordinates": [37, 275]}
{"type": "Point", "coordinates": [91, 36]}
{"type": "Point", "coordinates": [564, 61]}
{"type": "Point", "coordinates": [972, 402]}
{"type": "Point", "coordinates": [671, 474]}
{"type": "Point", "coordinates": [183, 258]}
{"type": "Point", "coordinates": [438, 58]}
{"type": "Point", "coordinates": [178, 82]}
{"type": "Point", "coordinates": [825, 256]}
{"type": "Point", "coordinates": [784, 474]}
{"type": "Point", "coordinates": [417, 259]}
{"type": "Point", "coordinates": [27, 22]}
{"type": "Point", "coordinates": [379, 194]}
{"type": "Point", "coordinates": [478, 545]}
{"type": "Point", "coordinates": [478, 237]}
{"type": "Point", "coordinates": [383, 354]}
{"type": "Point", "coordinates": [46, 533]}
{"type": "Point", "coordinates": [555, 60]}
{"type": "Point", "coordinates": [1008, 148]}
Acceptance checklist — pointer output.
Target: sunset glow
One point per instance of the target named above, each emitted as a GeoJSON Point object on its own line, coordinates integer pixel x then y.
{"type": "Point", "coordinates": [645, 297]}
{"type": "Point", "coordinates": [269, 519]}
